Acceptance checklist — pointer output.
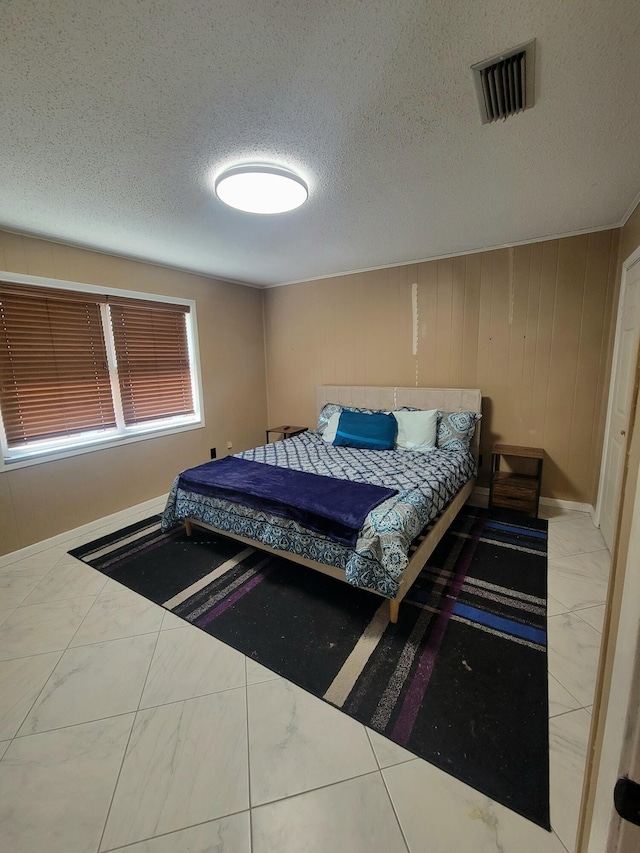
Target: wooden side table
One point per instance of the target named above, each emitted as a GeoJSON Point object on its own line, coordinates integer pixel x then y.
{"type": "Point", "coordinates": [286, 431]}
{"type": "Point", "coordinates": [513, 490]}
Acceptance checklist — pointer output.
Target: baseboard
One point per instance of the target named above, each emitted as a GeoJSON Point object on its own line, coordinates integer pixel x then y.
{"type": "Point", "coordinates": [154, 504]}
{"type": "Point", "coordinates": [480, 497]}
{"type": "Point", "coordinates": [576, 506]}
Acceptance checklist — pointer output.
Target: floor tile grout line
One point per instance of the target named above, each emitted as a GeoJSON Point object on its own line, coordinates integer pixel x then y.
{"type": "Point", "coordinates": [393, 806]}
{"type": "Point", "coordinates": [35, 701]}
{"type": "Point", "coordinates": [581, 553]}
{"type": "Point", "coordinates": [110, 640]}
{"type": "Point", "coordinates": [322, 787]}
{"type": "Point", "coordinates": [52, 600]}
{"type": "Point", "coordinates": [68, 645]}
{"type": "Point", "coordinates": [95, 598]}
{"type": "Point", "coordinates": [375, 754]}
{"type": "Point", "coordinates": [560, 840]}
{"type": "Point", "coordinates": [173, 832]}
{"type": "Point", "coordinates": [589, 606]}
{"type": "Point", "coordinates": [190, 698]}
{"type": "Point", "coordinates": [577, 612]}
{"type": "Point", "coordinates": [146, 678]}
{"type": "Point", "coordinates": [570, 711]}
{"type": "Point", "coordinates": [246, 705]}
{"type": "Point", "coordinates": [75, 725]}
{"type": "Point", "coordinates": [555, 677]}
{"type": "Point", "coordinates": [115, 787]}
{"type": "Point", "coordinates": [22, 602]}
{"type": "Point", "coordinates": [575, 554]}
{"type": "Point", "coordinates": [126, 749]}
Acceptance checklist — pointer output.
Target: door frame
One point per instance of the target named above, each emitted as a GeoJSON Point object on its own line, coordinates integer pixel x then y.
{"type": "Point", "coordinates": [626, 266]}
{"type": "Point", "coordinates": [605, 738]}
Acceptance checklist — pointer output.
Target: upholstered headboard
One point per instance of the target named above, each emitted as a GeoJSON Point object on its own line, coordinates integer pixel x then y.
{"type": "Point", "coordinates": [389, 398]}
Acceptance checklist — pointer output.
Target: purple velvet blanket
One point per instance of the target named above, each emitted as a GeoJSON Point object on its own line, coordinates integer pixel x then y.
{"type": "Point", "coordinates": [335, 508]}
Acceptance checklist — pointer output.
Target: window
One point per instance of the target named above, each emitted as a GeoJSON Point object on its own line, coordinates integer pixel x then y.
{"type": "Point", "coordinates": [79, 367]}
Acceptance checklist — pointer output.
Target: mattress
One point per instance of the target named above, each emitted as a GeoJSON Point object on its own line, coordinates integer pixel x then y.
{"type": "Point", "coordinates": [425, 483]}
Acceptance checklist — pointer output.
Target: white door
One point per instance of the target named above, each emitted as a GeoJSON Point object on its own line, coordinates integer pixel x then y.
{"type": "Point", "coordinates": [624, 361]}
{"type": "Point", "coordinates": [621, 738]}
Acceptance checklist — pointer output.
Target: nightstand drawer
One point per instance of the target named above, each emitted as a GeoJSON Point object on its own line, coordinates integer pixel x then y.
{"type": "Point", "coordinates": [515, 492]}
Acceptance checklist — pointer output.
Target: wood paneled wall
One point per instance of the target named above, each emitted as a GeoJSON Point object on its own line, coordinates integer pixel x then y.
{"type": "Point", "coordinates": [530, 326]}
{"type": "Point", "coordinates": [41, 500]}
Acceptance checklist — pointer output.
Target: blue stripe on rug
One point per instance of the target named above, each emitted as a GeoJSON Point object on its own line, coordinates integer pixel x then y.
{"type": "Point", "coordinates": [511, 528]}
{"type": "Point", "coordinates": [508, 626]}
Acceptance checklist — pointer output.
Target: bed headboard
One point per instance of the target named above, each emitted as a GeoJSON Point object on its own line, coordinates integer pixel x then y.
{"type": "Point", "coordinates": [389, 398]}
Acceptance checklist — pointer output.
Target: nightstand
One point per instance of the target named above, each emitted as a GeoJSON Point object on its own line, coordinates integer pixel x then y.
{"type": "Point", "coordinates": [286, 431]}
{"type": "Point", "coordinates": [513, 490]}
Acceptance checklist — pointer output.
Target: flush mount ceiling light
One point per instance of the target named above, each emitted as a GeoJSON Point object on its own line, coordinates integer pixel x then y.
{"type": "Point", "coordinates": [258, 188]}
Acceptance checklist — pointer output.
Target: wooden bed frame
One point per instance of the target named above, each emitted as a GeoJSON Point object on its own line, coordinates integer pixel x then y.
{"type": "Point", "coordinates": [388, 398]}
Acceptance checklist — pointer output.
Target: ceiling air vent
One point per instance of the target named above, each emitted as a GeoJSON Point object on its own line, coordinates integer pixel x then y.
{"type": "Point", "coordinates": [504, 84]}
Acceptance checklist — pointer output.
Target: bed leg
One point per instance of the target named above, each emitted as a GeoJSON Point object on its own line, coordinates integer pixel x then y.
{"type": "Point", "coordinates": [187, 526]}
{"type": "Point", "coordinates": [394, 609]}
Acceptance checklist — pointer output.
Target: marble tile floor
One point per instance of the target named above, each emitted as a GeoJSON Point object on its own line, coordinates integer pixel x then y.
{"type": "Point", "coordinates": [122, 727]}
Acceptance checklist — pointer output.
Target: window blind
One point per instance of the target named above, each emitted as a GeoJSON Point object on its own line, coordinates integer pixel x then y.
{"type": "Point", "coordinates": [152, 357]}
{"type": "Point", "coordinates": [54, 375]}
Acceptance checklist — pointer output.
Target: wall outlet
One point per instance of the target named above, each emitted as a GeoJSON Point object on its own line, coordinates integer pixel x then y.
{"type": "Point", "coordinates": [213, 453]}
{"type": "Point", "coordinates": [229, 445]}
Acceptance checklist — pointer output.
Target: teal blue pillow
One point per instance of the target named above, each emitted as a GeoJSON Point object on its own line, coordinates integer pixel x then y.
{"type": "Point", "coordinates": [373, 432]}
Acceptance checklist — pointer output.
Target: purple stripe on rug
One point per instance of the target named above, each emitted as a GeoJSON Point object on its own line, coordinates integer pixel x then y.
{"type": "Point", "coordinates": [109, 566]}
{"type": "Point", "coordinates": [415, 694]}
{"type": "Point", "coordinates": [236, 596]}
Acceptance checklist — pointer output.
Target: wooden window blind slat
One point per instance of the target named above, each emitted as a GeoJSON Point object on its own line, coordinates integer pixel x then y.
{"type": "Point", "coordinates": [152, 358]}
{"type": "Point", "coordinates": [157, 307]}
{"type": "Point", "coordinates": [54, 376]}
{"type": "Point", "coordinates": [53, 294]}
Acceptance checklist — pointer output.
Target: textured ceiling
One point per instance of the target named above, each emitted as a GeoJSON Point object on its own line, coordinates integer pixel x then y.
{"type": "Point", "coordinates": [115, 115]}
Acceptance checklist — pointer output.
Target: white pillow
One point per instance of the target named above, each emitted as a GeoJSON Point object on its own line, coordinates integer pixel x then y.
{"type": "Point", "coordinates": [331, 428]}
{"type": "Point", "coordinates": [417, 430]}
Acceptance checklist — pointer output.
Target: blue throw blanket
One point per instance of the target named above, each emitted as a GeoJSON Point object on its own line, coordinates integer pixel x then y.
{"type": "Point", "coordinates": [335, 508]}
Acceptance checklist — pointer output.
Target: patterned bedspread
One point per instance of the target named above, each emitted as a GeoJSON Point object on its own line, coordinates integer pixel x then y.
{"type": "Point", "coordinates": [426, 482]}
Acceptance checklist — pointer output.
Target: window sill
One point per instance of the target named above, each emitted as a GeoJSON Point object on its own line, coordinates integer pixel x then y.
{"type": "Point", "coordinates": [55, 455]}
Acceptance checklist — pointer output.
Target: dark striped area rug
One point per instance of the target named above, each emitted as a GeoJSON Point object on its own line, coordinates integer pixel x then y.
{"type": "Point", "coordinates": [460, 681]}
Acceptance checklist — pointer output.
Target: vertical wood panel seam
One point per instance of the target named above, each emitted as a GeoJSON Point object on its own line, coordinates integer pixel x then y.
{"type": "Point", "coordinates": [510, 297]}
{"type": "Point", "coordinates": [614, 280]}
{"type": "Point", "coordinates": [575, 381]}
{"type": "Point", "coordinates": [266, 360]}
{"type": "Point", "coordinates": [553, 334]}
{"type": "Point", "coordinates": [465, 315]}
{"type": "Point", "coordinates": [451, 312]}
{"type": "Point", "coordinates": [524, 432]}
{"type": "Point", "coordinates": [436, 309]}
{"type": "Point", "coordinates": [598, 407]}
{"type": "Point", "coordinates": [537, 344]}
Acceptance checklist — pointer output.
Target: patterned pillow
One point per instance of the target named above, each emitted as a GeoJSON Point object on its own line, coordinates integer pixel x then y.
{"type": "Point", "coordinates": [331, 408]}
{"type": "Point", "coordinates": [456, 429]}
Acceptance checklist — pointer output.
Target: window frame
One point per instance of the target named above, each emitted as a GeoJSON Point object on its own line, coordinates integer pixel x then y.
{"type": "Point", "coordinates": [63, 448]}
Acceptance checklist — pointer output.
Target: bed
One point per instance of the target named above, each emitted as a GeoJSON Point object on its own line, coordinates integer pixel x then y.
{"type": "Point", "coordinates": [398, 535]}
